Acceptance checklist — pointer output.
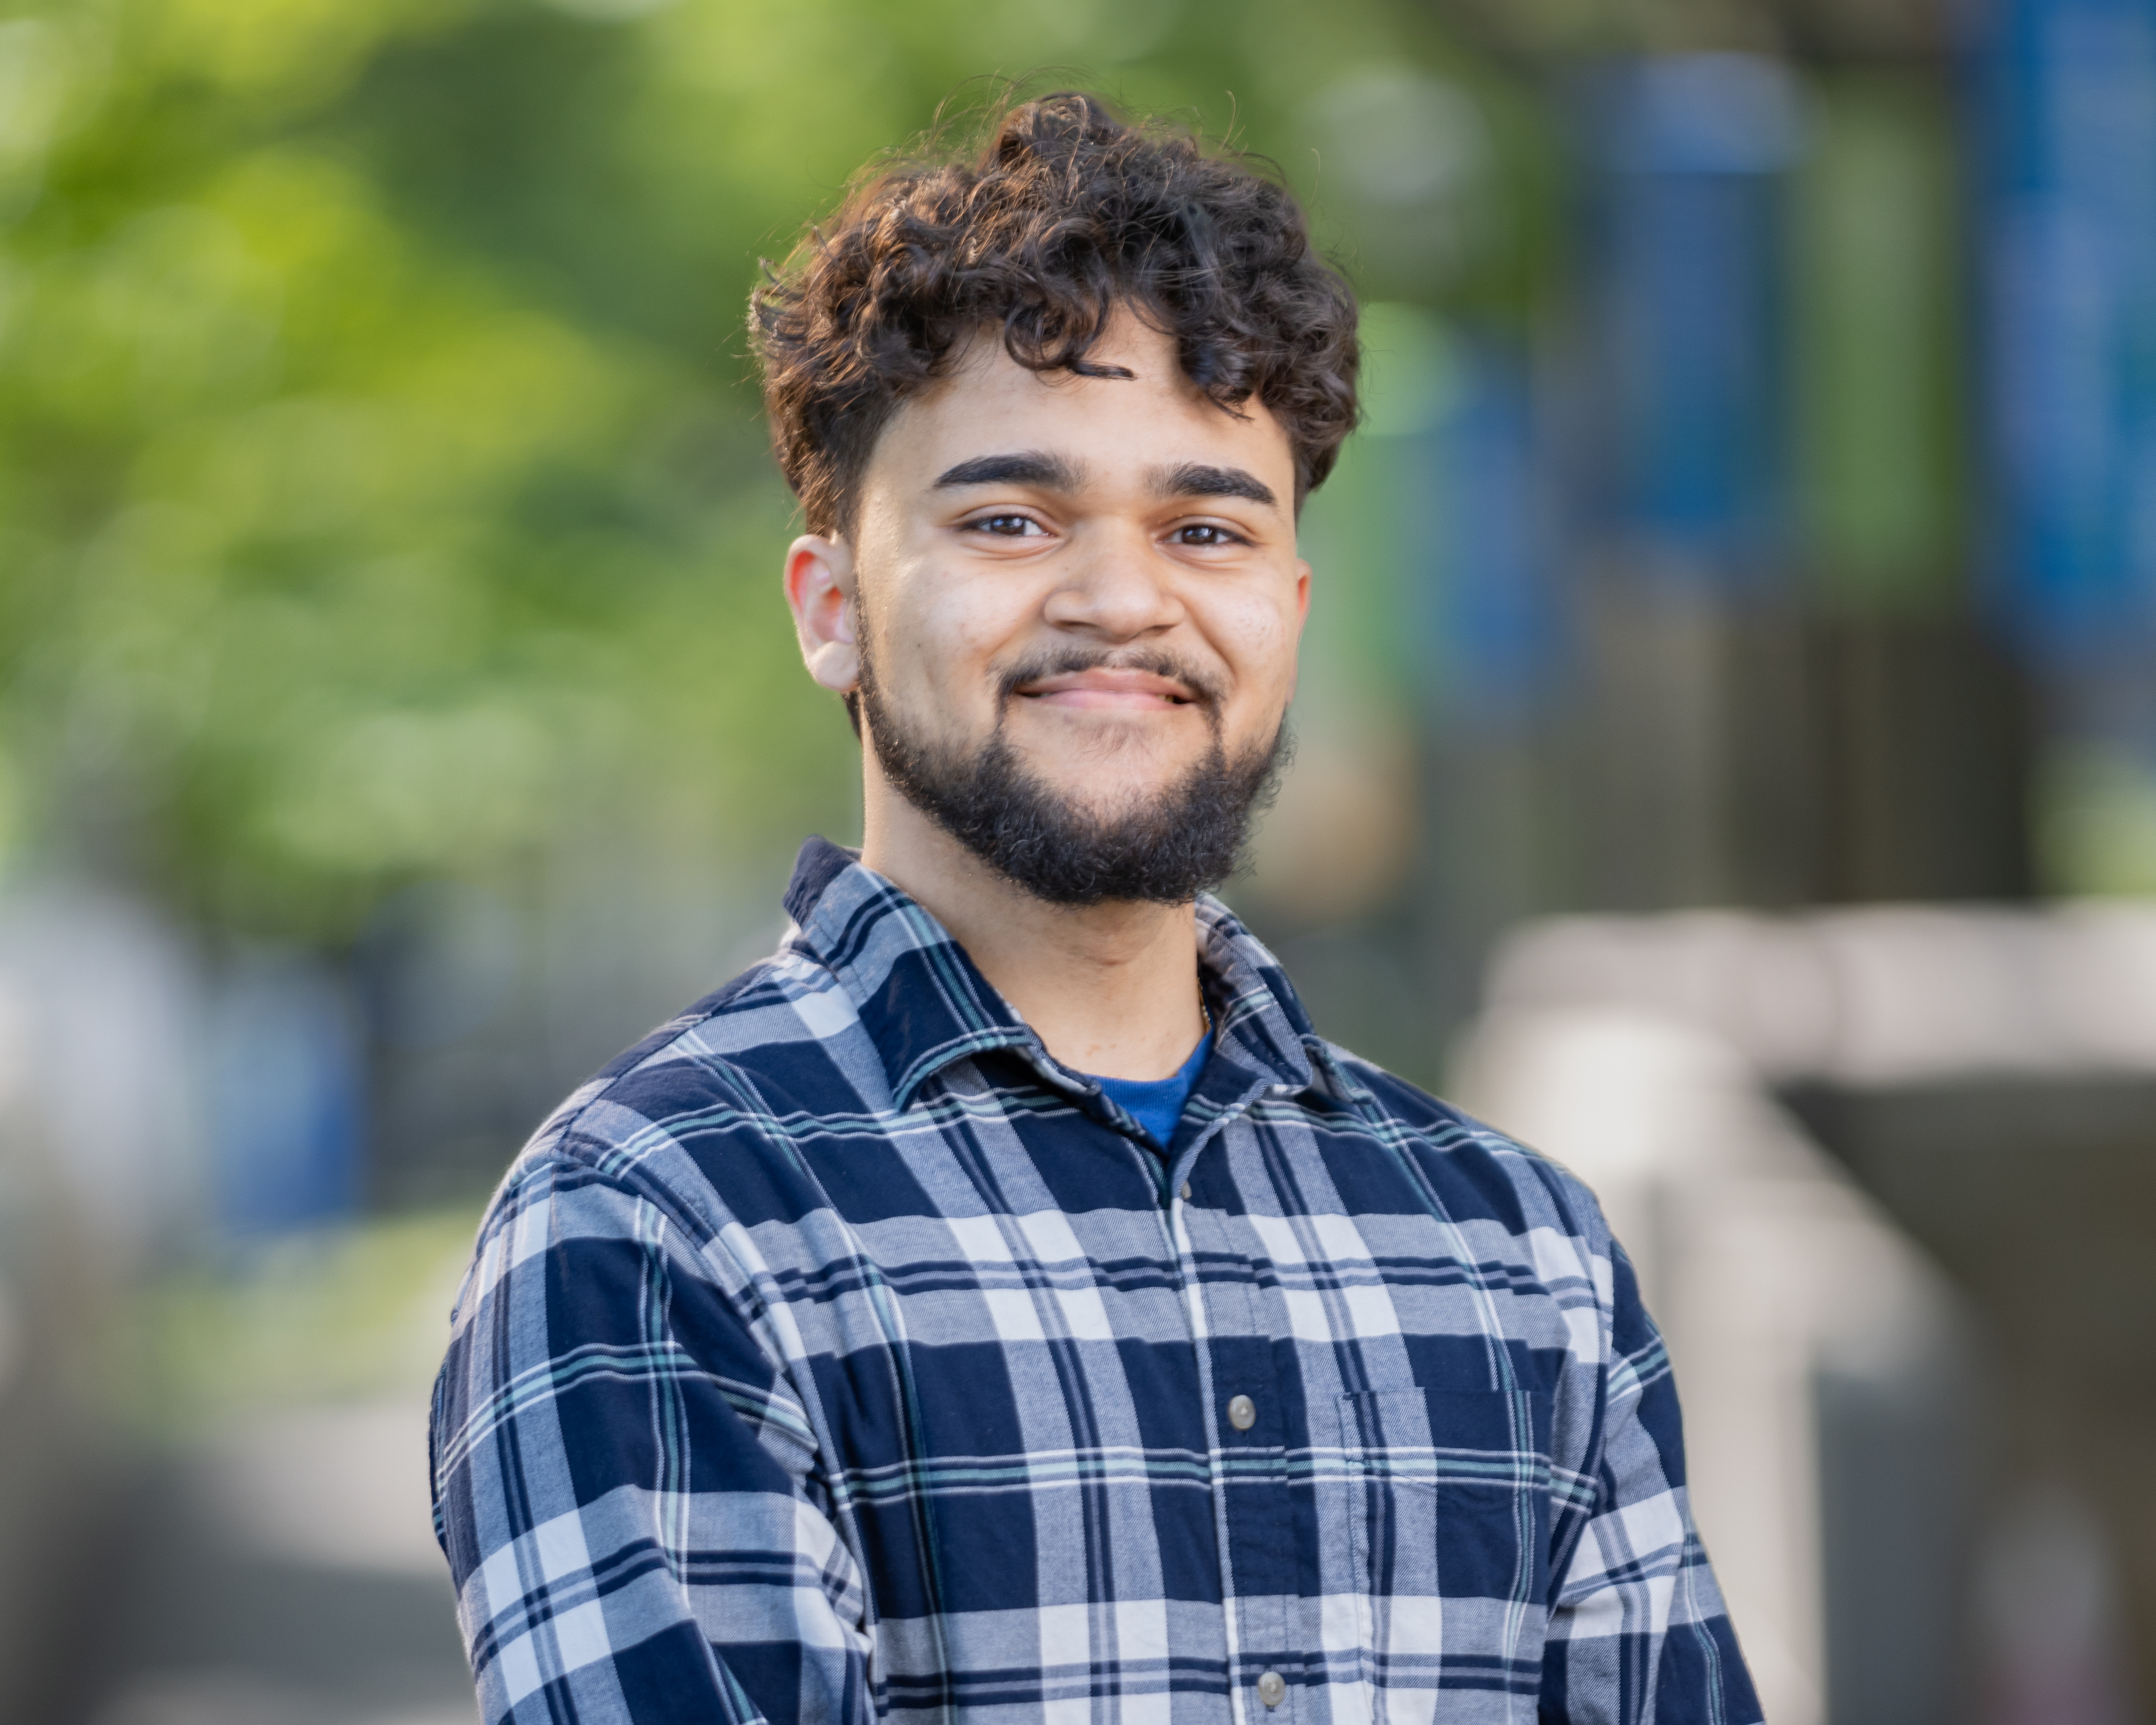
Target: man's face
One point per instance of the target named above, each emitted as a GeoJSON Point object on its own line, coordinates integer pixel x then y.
{"type": "Point", "coordinates": [1093, 579]}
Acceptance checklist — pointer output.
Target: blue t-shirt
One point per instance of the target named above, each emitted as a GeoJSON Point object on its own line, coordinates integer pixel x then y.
{"type": "Point", "coordinates": [1157, 1104]}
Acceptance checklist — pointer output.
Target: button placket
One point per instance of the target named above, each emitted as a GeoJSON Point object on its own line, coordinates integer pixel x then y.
{"type": "Point", "coordinates": [1256, 1530]}
{"type": "Point", "coordinates": [1260, 1523]}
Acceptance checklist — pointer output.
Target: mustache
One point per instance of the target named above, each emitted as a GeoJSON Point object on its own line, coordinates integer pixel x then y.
{"type": "Point", "coordinates": [1063, 661]}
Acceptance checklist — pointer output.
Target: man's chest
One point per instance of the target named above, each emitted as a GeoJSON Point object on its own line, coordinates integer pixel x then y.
{"type": "Point", "coordinates": [1001, 1300]}
{"type": "Point", "coordinates": [1053, 1381]}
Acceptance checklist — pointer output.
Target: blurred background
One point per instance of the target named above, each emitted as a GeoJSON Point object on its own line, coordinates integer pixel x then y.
{"type": "Point", "coordinates": [1727, 742]}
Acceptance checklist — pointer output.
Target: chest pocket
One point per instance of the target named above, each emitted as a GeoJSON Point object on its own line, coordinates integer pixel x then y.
{"type": "Point", "coordinates": [1449, 1502]}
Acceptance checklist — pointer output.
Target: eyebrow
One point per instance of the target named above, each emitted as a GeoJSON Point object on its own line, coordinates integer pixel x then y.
{"type": "Point", "coordinates": [1192, 479]}
{"type": "Point", "coordinates": [1057, 472]}
{"type": "Point", "coordinates": [1027, 467]}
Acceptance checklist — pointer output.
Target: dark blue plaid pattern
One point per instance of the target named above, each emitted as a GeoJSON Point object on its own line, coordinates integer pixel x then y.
{"type": "Point", "coordinates": [835, 1354]}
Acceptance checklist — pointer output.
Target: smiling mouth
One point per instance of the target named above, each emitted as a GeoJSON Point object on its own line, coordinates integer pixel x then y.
{"type": "Point", "coordinates": [1106, 689]}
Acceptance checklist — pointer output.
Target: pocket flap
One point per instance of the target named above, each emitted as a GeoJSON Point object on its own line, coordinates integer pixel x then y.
{"type": "Point", "coordinates": [1465, 1437]}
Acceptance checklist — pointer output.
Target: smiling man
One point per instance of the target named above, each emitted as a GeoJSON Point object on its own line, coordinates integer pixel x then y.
{"type": "Point", "coordinates": [1001, 1303]}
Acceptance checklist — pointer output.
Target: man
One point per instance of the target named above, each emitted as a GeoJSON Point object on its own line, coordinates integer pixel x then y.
{"type": "Point", "coordinates": [1000, 1303]}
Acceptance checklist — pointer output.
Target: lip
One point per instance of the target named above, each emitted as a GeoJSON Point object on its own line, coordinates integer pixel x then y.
{"type": "Point", "coordinates": [1103, 687]}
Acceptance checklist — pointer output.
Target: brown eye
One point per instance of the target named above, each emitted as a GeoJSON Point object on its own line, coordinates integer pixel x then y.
{"type": "Point", "coordinates": [1204, 533]}
{"type": "Point", "coordinates": [1007, 526]}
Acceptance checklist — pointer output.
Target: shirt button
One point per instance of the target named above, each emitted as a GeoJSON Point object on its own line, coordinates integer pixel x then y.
{"type": "Point", "coordinates": [1186, 1192]}
{"type": "Point", "coordinates": [1243, 1414]}
{"type": "Point", "coordinates": [1272, 1687]}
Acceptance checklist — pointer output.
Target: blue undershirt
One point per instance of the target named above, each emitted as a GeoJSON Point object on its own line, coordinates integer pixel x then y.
{"type": "Point", "coordinates": [1157, 1104]}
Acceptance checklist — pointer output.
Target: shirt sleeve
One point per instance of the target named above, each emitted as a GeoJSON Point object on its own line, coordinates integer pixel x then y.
{"type": "Point", "coordinates": [1638, 1634]}
{"type": "Point", "coordinates": [625, 1479]}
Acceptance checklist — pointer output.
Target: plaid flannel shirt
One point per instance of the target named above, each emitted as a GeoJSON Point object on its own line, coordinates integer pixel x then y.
{"type": "Point", "coordinates": [837, 1355]}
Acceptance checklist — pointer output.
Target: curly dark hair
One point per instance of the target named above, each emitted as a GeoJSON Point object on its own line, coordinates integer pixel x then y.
{"type": "Point", "coordinates": [1063, 214]}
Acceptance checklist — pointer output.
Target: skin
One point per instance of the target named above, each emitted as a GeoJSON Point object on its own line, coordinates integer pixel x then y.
{"type": "Point", "coordinates": [1138, 517]}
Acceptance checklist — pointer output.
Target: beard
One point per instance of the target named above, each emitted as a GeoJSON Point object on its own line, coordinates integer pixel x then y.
{"type": "Point", "coordinates": [1163, 848]}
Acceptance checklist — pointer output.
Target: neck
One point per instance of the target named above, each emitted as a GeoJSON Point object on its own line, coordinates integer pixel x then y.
{"type": "Point", "coordinates": [1110, 989]}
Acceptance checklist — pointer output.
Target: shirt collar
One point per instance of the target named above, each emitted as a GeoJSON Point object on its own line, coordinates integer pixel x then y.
{"type": "Point", "coordinates": [924, 1004]}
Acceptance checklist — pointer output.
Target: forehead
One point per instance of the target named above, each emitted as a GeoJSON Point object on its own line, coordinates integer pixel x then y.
{"type": "Point", "coordinates": [1113, 427]}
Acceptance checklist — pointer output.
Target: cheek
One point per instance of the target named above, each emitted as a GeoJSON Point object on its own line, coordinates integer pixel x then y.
{"type": "Point", "coordinates": [972, 636]}
{"type": "Point", "coordinates": [1258, 643]}
{"type": "Point", "coordinates": [942, 634]}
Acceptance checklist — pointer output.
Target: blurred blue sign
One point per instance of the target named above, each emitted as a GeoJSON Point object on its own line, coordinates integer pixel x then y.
{"type": "Point", "coordinates": [1499, 617]}
{"type": "Point", "coordinates": [2068, 100]}
{"type": "Point", "coordinates": [287, 1096]}
{"type": "Point", "coordinates": [1686, 163]}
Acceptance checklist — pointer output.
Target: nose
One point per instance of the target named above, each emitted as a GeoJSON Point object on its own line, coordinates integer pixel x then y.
{"type": "Point", "coordinates": [1118, 589]}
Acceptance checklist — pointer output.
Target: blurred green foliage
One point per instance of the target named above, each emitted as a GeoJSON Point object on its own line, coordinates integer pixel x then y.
{"type": "Point", "coordinates": [383, 493]}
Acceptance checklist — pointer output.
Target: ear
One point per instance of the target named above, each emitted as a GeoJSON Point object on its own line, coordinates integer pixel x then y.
{"type": "Point", "coordinates": [819, 591]}
{"type": "Point", "coordinates": [1302, 617]}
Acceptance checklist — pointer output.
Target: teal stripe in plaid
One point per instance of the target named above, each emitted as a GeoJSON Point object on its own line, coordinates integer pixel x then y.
{"type": "Point", "coordinates": [836, 1356]}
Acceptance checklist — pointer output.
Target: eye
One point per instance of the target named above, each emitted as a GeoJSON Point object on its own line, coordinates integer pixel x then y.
{"type": "Point", "coordinates": [1205, 533]}
{"type": "Point", "coordinates": [1007, 526]}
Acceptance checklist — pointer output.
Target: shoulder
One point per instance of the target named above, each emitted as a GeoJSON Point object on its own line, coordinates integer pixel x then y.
{"type": "Point", "coordinates": [1489, 1173]}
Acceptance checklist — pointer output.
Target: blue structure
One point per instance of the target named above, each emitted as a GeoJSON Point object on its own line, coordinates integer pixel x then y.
{"type": "Point", "coordinates": [1685, 160]}
{"type": "Point", "coordinates": [1496, 615]}
{"type": "Point", "coordinates": [286, 1098]}
{"type": "Point", "coordinates": [2068, 99]}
